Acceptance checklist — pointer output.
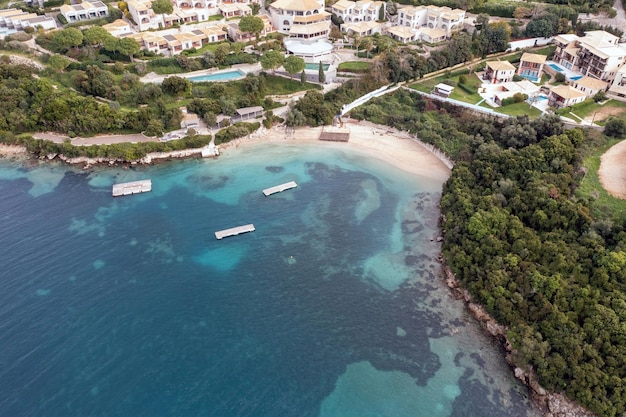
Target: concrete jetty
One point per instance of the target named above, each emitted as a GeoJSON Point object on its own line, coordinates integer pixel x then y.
{"type": "Point", "coordinates": [134, 187]}
{"type": "Point", "coordinates": [280, 188]}
{"type": "Point", "coordinates": [235, 231]}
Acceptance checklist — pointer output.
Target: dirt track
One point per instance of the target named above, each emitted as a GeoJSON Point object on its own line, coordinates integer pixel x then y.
{"type": "Point", "coordinates": [612, 172]}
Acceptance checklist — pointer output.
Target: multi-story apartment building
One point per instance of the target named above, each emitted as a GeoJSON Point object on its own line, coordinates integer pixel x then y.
{"type": "Point", "coordinates": [598, 54]}
{"type": "Point", "coordinates": [13, 20]}
{"type": "Point", "coordinates": [358, 11]}
{"type": "Point", "coordinates": [302, 19]}
{"type": "Point", "coordinates": [617, 89]}
{"type": "Point", "coordinates": [84, 11]}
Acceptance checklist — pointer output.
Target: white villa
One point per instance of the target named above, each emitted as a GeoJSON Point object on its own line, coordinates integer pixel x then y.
{"type": "Point", "coordinates": [564, 96]}
{"type": "Point", "coordinates": [499, 72]}
{"type": "Point", "coordinates": [185, 11]}
{"type": "Point", "coordinates": [431, 24]}
{"type": "Point", "coordinates": [84, 11]}
{"type": "Point", "coordinates": [173, 41]}
{"type": "Point", "coordinates": [361, 28]}
{"type": "Point", "coordinates": [358, 11]}
{"type": "Point", "coordinates": [118, 28]}
{"type": "Point", "coordinates": [13, 20]}
{"type": "Point", "coordinates": [303, 19]}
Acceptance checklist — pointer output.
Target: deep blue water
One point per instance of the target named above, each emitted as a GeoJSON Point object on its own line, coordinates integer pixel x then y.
{"type": "Point", "coordinates": [332, 307]}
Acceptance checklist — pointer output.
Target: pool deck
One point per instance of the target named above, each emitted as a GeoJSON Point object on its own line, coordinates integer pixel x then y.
{"type": "Point", "coordinates": [245, 68]}
{"type": "Point", "coordinates": [569, 74]}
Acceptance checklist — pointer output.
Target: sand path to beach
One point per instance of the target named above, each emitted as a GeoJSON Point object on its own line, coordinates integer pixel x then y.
{"type": "Point", "coordinates": [370, 140]}
{"type": "Point", "coordinates": [612, 171]}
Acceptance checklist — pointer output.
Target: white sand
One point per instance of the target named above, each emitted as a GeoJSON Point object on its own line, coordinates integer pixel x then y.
{"type": "Point", "coordinates": [612, 171]}
{"type": "Point", "coordinates": [368, 139]}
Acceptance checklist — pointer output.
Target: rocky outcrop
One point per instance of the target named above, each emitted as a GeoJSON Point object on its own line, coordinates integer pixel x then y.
{"type": "Point", "coordinates": [148, 159]}
{"type": "Point", "coordinates": [554, 405]}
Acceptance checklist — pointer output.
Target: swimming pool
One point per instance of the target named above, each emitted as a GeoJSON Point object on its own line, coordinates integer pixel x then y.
{"type": "Point", "coordinates": [218, 76]}
{"type": "Point", "coordinates": [576, 78]}
{"type": "Point", "coordinates": [542, 97]}
{"type": "Point", "coordinates": [315, 65]}
{"type": "Point", "coordinates": [556, 67]}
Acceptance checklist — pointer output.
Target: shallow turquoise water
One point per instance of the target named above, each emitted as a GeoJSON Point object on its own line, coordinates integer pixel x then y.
{"type": "Point", "coordinates": [333, 307]}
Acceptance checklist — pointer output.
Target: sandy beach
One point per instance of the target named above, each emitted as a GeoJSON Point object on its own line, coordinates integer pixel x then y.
{"type": "Point", "coordinates": [370, 140]}
{"type": "Point", "coordinates": [612, 171]}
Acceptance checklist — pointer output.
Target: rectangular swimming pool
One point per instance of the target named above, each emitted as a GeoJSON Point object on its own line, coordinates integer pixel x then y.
{"type": "Point", "coordinates": [315, 65]}
{"type": "Point", "coordinates": [576, 78]}
{"type": "Point", "coordinates": [218, 76]}
{"type": "Point", "coordinates": [556, 67]}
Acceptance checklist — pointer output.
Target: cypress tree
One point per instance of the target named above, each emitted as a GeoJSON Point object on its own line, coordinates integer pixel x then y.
{"type": "Point", "coordinates": [320, 74]}
{"type": "Point", "coordinates": [303, 77]}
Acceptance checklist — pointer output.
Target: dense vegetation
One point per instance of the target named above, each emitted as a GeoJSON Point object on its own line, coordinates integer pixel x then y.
{"type": "Point", "coordinates": [526, 247]}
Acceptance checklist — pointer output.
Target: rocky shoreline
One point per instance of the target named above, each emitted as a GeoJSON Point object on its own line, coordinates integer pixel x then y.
{"type": "Point", "coordinates": [551, 404]}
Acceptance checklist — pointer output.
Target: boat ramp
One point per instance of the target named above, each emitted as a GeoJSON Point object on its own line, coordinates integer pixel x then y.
{"type": "Point", "coordinates": [134, 187]}
{"type": "Point", "coordinates": [235, 231]}
{"type": "Point", "coordinates": [279, 188]}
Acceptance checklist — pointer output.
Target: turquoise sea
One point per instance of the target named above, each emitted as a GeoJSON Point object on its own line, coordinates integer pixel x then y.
{"type": "Point", "coordinates": [333, 307]}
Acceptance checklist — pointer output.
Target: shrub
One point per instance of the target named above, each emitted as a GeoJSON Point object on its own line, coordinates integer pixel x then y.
{"type": "Point", "coordinates": [559, 77]}
{"type": "Point", "coordinates": [615, 127]}
{"type": "Point", "coordinates": [599, 96]}
{"type": "Point", "coordinates": [235, 131]}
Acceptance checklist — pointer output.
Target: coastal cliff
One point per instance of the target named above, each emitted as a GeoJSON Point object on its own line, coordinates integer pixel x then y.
{"type": "Point", "coordinates": [552, 404]}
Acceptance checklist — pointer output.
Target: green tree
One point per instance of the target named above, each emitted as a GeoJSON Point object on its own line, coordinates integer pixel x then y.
{"type": "Point", "coordinates": [293, 64]}
{"type": "Point", "coordinates": [162, 7]}
{"type": "Point", "coordinates": [271, 60]}
{"type": "Point", "coordinates": [68, 38]}
{"type": "Point", "coordinates": [367, 44]}
{"type": "Point", "coordinates": [95, 35]}
{"type": "Point", "coordinates": [154, 128]}
{"type": "Point", "coordinates": [128, 47]}
{"type": "Point", "coordinates": [615, 127]}
{"type": "Point", "coordinates": [303, 77]}
{"type": "Point", "coordinates": [210, 119]}
{"type": "Point", "coordinates": [176, 85]}
{"type": "Point", "coordinates": [321, 76]}
{"type": "Point", "coordinates": [58, 62]}
{"type": "Point", "coordinates": [252, 24]}
{"type": "Point", "coordinates": [221, 51]}
{"type": "Point", "coordinates": [381, 13]}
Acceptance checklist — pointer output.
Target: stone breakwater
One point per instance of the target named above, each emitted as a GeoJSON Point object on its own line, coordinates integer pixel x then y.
{"type": "Point", "coordinates": [552, 404]}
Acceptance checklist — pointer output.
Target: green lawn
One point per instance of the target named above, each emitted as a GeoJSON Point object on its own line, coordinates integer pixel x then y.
{"type": "Point", "coordinates": [590, 186]}
{"type": "Point", "coordinates": [354, 66]}
{"type": "Point", "coordinates": [281, 85]}
{"type": "Point", "coordinates": [458, 93]}
{"type": "Point", "coordinates": [589, 107]}
{"type": "Point", "coordinates": [519, 109]}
